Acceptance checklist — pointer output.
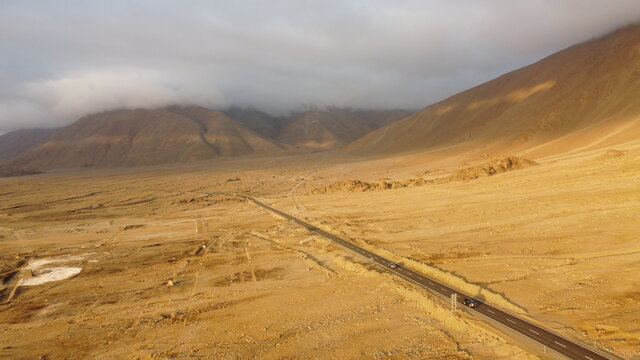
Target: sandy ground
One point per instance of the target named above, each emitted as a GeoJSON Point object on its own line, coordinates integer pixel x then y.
{"type": "Point", "coordinates": [558, 240]}
{"type": "Point", "coordinates": [171, 268]}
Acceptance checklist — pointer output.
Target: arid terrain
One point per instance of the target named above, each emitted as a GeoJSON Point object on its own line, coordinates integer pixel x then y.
{"type": "Point", "coordinates": [174, 268]}
{"type": "Point", "coordinates": [128, 239]}
{"type": "Point", "coordinates": [260, 287]}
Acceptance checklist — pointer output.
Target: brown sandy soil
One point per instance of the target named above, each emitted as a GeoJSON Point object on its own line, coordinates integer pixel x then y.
{"type": "Point", "coordinates": [558, 240]}
{"type": "Point", "coordinates": [172, 269]}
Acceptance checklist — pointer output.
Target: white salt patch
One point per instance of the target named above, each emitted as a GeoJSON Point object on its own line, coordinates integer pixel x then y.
{"type": "Point", "coordinates": [34, 265]}
{"type": "Point", "coordinates": [44, 274]}
{"type": "Point", "coordinates": [40, 263]}
{"type": "Point", "coordinates": [51, 274]}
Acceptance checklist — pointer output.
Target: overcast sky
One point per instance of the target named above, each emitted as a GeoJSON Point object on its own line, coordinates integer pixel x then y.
{"type": "Point", "coordinates": [62, 59]}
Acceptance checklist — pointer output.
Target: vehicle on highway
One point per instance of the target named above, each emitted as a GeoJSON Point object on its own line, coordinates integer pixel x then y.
{"type": "Point", "coordinates": [393, 265]}
{"type": "Point", "coordinates": [472, 303]}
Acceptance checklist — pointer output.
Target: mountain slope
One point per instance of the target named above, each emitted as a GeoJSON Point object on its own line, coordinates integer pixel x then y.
{"type": "Point", "coordinates": [226, 136]}
{"type": "Point", "coordinates": [17, 142]}
{"type": "Point", "coordinates": [256, 120]}
{"type": "Point", "coordinates": [143, 137]}
{"type": "Point", "coordinates": [333, 127]}
{"type": "Point", "coordinates": [565, 101]}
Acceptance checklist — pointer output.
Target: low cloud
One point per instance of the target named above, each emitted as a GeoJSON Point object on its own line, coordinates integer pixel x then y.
{"type": "Point", "coordinates": [109, 88]}
{"type": "Point", "coordinates": [62, 60]}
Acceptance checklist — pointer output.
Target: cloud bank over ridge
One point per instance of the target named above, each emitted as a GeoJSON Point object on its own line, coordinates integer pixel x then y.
{"type": "Point", "coordinates": [62, 60]}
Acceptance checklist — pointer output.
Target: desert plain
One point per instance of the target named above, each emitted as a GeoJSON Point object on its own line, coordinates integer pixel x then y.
{"type": "Point", "coordinates": [174, 266]}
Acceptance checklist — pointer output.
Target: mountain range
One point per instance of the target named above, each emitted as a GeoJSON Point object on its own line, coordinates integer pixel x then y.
{"type": "Point", "coordinates": [178, 134]}
{"type": "Point", "coordinates": [583, 97]}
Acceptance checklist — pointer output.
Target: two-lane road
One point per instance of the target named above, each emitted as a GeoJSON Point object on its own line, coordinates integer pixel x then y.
{"type": "Point", "coordinates": [564, 346]}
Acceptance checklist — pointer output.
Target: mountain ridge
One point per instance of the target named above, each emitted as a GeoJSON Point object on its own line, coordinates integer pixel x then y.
{"type": "Point", "coordinates": [19, 141]}
{"type": "Point", "coordinates": [143, 137]}
{"type": "Point", "coordinates": [178, 133]}
{"type": "Point", "coordinates": [580, 89]}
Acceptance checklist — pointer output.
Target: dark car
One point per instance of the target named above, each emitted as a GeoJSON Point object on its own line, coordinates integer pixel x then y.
{"type": "Point", "coordinates": [393, 265]}
{"type": "Point", "coordinates": [472, 303]}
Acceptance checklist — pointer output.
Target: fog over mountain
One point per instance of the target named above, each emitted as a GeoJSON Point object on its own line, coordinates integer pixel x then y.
{"type": "Point", "coordinates": [62, 60]}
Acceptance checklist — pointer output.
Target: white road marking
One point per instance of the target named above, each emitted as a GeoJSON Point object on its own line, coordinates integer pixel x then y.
{"type": "Point", "coordinates": [588, 357]}
{"type": "Point", "coordinates": [535, 332]}
{"type": "Point", "coordinates": [491, 311]}
{"type": "Point", "coordinates": [511, 321]}
{"type": "Point", "coordinates": [563, 345]}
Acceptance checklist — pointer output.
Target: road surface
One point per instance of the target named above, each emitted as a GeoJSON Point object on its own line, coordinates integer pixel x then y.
{"type": "Point", "coordinates": [564, 346]}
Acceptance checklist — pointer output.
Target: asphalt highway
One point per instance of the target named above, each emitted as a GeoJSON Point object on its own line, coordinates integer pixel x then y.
{"type": "Point", "coordinates": [559, 344]}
